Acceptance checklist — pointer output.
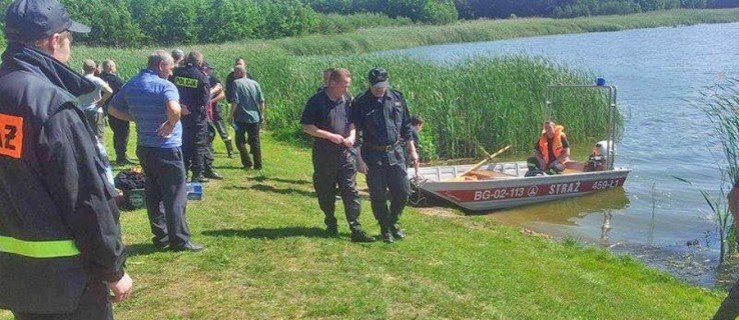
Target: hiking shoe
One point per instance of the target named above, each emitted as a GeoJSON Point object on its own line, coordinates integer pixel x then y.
{"type": "Point", "coordinates": [160, 243]}
{"type": "Point", "coordinates": [189, 246]}
{"type": "Point", "coordinates": [387, 237]}
{"type": "Point", "coordinates": [210, 174]}
{"type": "Point", "coordinates": [361, 236]}
{"type": "Point", "coordinates": [397, 232]}
{"type": "Point", "coordinates": [332, 231]}
{"type": "Point", "coordinates": [199, 178]}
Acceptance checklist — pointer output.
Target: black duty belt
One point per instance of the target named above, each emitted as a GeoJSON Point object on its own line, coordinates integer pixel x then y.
{"type": "Point", "coordinates": [380, 147]}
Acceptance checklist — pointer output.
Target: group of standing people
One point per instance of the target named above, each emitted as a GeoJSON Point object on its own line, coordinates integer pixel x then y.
{"type": "Point", "coordinates": [368, 134]}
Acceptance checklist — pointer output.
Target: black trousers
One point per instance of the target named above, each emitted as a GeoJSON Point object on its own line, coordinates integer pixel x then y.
{"type": "Point", "coordinates": [334, 165]}
{"type": "Point", "coordinates": [380, 179]}
{"type": "Point", "coordinates": [249, 133]}
{"type": "Point", "coordinates": [165, 183]}
{"type": "Point", "coordinates": [121, 131]}
{"type": "Point", "coordinates": [93, 305]}
{"type": "Point", "coordinates": [211, 154]}
{"type": "Point", "coordinates": [195, 146]}
{"type": "Point", "coordinates": [220, 128]}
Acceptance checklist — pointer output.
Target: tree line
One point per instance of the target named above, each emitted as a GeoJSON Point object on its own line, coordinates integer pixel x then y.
{"type": "Point", "coordinates": [442, 11]}
{"type": "Point", "coordinates": [121, 23]}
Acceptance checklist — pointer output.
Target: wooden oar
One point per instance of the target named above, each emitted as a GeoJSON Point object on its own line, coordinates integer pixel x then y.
{"type": "Point", "coordinates": [481, 163]}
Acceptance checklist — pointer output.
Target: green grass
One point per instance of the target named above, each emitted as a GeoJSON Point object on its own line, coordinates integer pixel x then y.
{"type": "Point", "coordinates": [266, 258]}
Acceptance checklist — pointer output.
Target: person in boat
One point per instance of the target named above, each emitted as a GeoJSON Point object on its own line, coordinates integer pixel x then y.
{"type": "Point", "coordinates": [326, 117]}
{"type": "Point", "coordinates": [729, 308]}
{"type": "Point", "coordinates": [551, 152]}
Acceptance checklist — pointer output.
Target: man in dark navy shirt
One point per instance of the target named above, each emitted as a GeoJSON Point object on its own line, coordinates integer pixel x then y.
{"type": "Point", "coordinates": [381, 116]}
{"type": "Point", "coordinates": [327, 118]}
{"type": "Point", "coordinates": [121, 128]}
{"type": "Point", "coordinates": [194, 90]}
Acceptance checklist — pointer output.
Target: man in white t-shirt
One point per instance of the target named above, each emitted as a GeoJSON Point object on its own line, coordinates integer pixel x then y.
{"type": "Point", "coordinates": [92, 103]}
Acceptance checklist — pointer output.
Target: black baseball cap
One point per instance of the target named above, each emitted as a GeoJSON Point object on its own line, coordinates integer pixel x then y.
{"type": "Point", "coordinates": [378, 78]}
{"type": "Point", "coordinates": [207, 65]}
{"type": "Point", "coordinates": [28, 20]}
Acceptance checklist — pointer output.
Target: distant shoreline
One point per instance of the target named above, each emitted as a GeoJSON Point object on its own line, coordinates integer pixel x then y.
{"type": "Point", "coordinates": [388, 38]}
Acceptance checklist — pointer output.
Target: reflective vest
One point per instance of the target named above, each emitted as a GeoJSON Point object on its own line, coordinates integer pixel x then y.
{"type": "Point", "coordinates": [557, 146]}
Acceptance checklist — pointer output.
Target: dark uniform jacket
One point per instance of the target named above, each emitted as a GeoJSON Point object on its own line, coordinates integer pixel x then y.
{"type": "Point", "coordinates": [318, 112]}
{"type": "Point", "coordinates": [194, 90]}
{"type": "Point", "coordinates": [115, 83]}
{"type": "Point", "coordinates": [59, 225]}
{"type": "Point", "coordinates": [382, 123]}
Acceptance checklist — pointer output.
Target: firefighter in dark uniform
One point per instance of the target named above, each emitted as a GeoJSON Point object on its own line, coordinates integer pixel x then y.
{"type": "Point", "coordinates": [327, 118]}
{"type": "Point", "coordinates": [60, 240]}
{"type": "Point", "coordinates": [194, 89]}
{"type": "Point", "coordinates": [381, 116]}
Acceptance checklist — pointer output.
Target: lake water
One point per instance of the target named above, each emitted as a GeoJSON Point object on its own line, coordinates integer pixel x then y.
{"type": "Point", "coordinates": [657, 217]}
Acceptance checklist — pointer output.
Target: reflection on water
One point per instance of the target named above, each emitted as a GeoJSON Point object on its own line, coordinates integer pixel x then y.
{"type": "Point", "coordinates": [561, 212]}
{"type": "Point", "coordinates": [692, 260]}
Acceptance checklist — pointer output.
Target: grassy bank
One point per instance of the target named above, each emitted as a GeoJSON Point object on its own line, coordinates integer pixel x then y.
{"type": "Point", "coordinates": [267, 258]}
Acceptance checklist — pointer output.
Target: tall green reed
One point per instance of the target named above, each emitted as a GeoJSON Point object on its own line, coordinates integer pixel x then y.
{"type": "Point", "coordinates": [488, 102]}
{"type": "Point", "coordinates": [721, 104]}
{"type": "Point", "coordinates": [480, 102]}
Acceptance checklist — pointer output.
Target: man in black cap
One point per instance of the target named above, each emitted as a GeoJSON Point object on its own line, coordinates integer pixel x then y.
{"type": "Point", "coordinates": [381, 117]}
{"type": "Point", "coordinates": [60, 240]}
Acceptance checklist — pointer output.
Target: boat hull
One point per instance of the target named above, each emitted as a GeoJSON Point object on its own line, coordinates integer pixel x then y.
{"type": "Point", "coordinates": [515, 189]}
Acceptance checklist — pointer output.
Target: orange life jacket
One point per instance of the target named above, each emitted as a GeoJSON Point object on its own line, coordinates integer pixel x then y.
{"type": "Point", "coordinates": [557, 146]}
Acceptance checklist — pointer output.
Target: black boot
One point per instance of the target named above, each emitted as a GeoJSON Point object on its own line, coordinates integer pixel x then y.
{"type": "Point", "coordinates": [360, 236]}
{"type": "Point", "coordinates": [397, 232]}
{"type": "Point", "coordinates": [197, 176]}
{"type": "Point", "coordinates": [210, 174]}
{"type": "Point", "coordinates": [386, 234]}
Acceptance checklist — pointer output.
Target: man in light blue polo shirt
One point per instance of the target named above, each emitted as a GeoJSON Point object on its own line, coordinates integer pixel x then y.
{"type": "Point", "coordinates": [152, 102]}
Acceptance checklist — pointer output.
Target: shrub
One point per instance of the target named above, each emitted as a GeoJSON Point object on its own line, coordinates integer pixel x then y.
{"type": "Point", "coordinates": [427, 11]}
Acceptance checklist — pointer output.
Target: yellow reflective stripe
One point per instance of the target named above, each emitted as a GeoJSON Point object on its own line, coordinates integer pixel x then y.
{"type": "Point", "coordinates": [39, 249]}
